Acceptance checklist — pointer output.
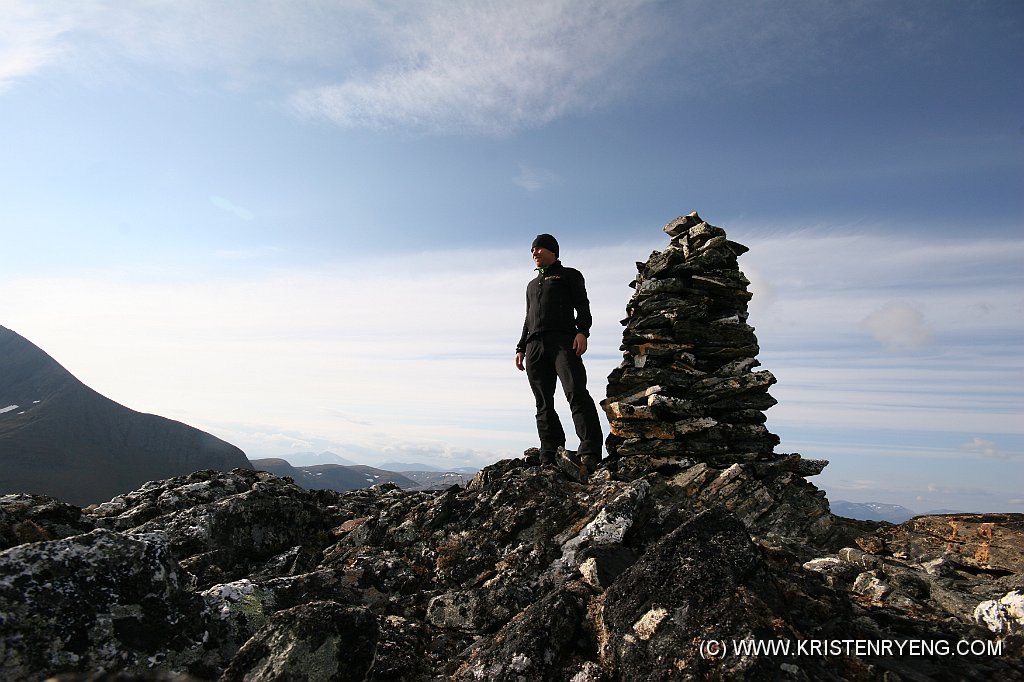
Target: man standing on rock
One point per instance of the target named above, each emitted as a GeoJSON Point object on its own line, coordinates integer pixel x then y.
{"type": "Point", "coordinates": [552, 344]}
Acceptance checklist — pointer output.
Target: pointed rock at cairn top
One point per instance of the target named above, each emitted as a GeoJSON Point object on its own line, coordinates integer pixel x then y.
{"type": "Point", "coordinates": [685, 387]}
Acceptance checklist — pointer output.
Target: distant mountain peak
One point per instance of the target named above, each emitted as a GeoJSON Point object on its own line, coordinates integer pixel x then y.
{"type": "Point", "coordinates": [871, 511]}
{"type": "Point", "coordinates": [331, 476]}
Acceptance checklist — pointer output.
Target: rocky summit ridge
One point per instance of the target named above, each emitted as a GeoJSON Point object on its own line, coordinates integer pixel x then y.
{"type": "Point", "coordinates": [691, 539]}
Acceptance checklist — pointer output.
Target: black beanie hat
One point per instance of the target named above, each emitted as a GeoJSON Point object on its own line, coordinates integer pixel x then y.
{"type": "Point", "coordinates": [546, 241]}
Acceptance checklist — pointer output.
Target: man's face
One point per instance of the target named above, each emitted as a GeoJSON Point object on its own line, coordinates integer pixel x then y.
{"type": "Point", "coordinates": [542, 257]}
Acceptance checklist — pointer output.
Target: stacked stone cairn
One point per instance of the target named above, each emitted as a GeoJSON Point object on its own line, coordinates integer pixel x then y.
{"type": "Point", "coordinates": [685, 388]}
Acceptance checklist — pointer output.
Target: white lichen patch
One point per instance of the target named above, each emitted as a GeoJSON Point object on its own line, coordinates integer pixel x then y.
{"type": "Point", "coordinates": [1004, 616]}
{"type": "Point", "coordinates": [520, 663]}
{"type": "Point", "coordinates": [610, 524]}
{"type": "Point", "coordinates": [822, 564]}
{"type": "Point", "coordinates": [223, 598]}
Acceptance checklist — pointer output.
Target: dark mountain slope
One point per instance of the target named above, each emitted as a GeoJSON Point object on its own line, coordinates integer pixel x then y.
{"type": "Point", "coordinates": [59, 437]}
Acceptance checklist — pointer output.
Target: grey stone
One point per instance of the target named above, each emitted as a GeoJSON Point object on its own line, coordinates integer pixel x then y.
{"type": "Point", "coordinates": [98, 601]}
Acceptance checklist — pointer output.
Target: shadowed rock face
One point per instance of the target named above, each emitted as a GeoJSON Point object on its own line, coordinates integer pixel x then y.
{"type": "Point", "coordinates": [521, 575]}
{"type": "Point", "coordinates": [66, 440]}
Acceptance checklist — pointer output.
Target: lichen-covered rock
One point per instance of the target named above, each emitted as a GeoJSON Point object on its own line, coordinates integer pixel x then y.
{"type": "Point", "coordinates": [316, 641]}
{"type": "Point", "coordinates": [323, 641]}
{"type": "Point", "coordinates": [991, 543]}
{"type": "Point", "coordinates": [123, 676]}
{"type": "Point", "coordinates": [705, 580]}
{"type": "Point", "coordinates": [223, 526]}
{"type": "Point", "coordinates": [527, 574]}
{"type": "Point", "coordinates": [243, 607]}
{"type": "Point", "coordinates": [37, 518]}
{"type": "Point", "coordinates": [706, 583]}
{"type": "Point", "coordinates": [99, 601]}
{"type": "Point", "coordinates": [543, 642]}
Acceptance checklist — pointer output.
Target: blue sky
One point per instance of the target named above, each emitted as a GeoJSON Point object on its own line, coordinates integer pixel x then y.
{"type": "Point", "coordinates": [305, 225]}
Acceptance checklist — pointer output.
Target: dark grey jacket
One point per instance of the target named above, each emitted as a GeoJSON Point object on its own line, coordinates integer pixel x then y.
{"type": "Point", "coordinates": [556, 300]}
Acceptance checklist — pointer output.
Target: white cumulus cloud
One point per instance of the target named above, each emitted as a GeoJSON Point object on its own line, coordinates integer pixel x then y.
{"type": "Point", "coordinates": [985, 448]}
{"type": "Point", "coordinates": [899, 326]}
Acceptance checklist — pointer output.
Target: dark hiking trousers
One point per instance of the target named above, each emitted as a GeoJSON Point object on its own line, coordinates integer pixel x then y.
{"type": "Point", "coordinates": [549, 356]}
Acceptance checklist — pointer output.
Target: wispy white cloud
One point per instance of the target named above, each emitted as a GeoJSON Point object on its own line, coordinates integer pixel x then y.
{"type": "Point", "coordinates": [957, 490]}
{"type": "Point", "coordinates": [29, 39]}
{"type": "Point", "coordinates": [859, 484]}
{"type": "Point", "coordinates": [534, 179]}
{"type": "Point", "coordinates": [236, 44]}
{"type": "Point", "coordinates": [229, 206]}
{"type": "Point", "coordinates": [488, 67]}
{"type": "Point", "coordinates": [277, 441]}
{"type": "Point", "coordinates": [439, 65]}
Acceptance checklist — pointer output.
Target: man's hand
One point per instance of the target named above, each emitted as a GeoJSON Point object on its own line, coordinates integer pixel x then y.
{"type": "Point", "coordinates": [579, 344]}
{"type": "Point", "coordinates": [519, 362]}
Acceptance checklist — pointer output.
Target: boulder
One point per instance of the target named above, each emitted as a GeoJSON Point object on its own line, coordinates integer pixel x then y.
{"type": "Point", "coordinates": [99, 601]}
{"type": "Point", "coordinates": [38, 518]}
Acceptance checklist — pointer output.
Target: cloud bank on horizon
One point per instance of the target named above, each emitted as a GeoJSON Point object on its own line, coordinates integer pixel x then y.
{"type": "Point", "coordinates": [293, 361]}
{"type": "Point", "coordinates": [301, 225]}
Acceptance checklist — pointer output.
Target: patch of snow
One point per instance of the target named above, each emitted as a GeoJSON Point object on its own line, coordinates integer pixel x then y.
{"type": "Point", "coordinates": [8, 408]}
